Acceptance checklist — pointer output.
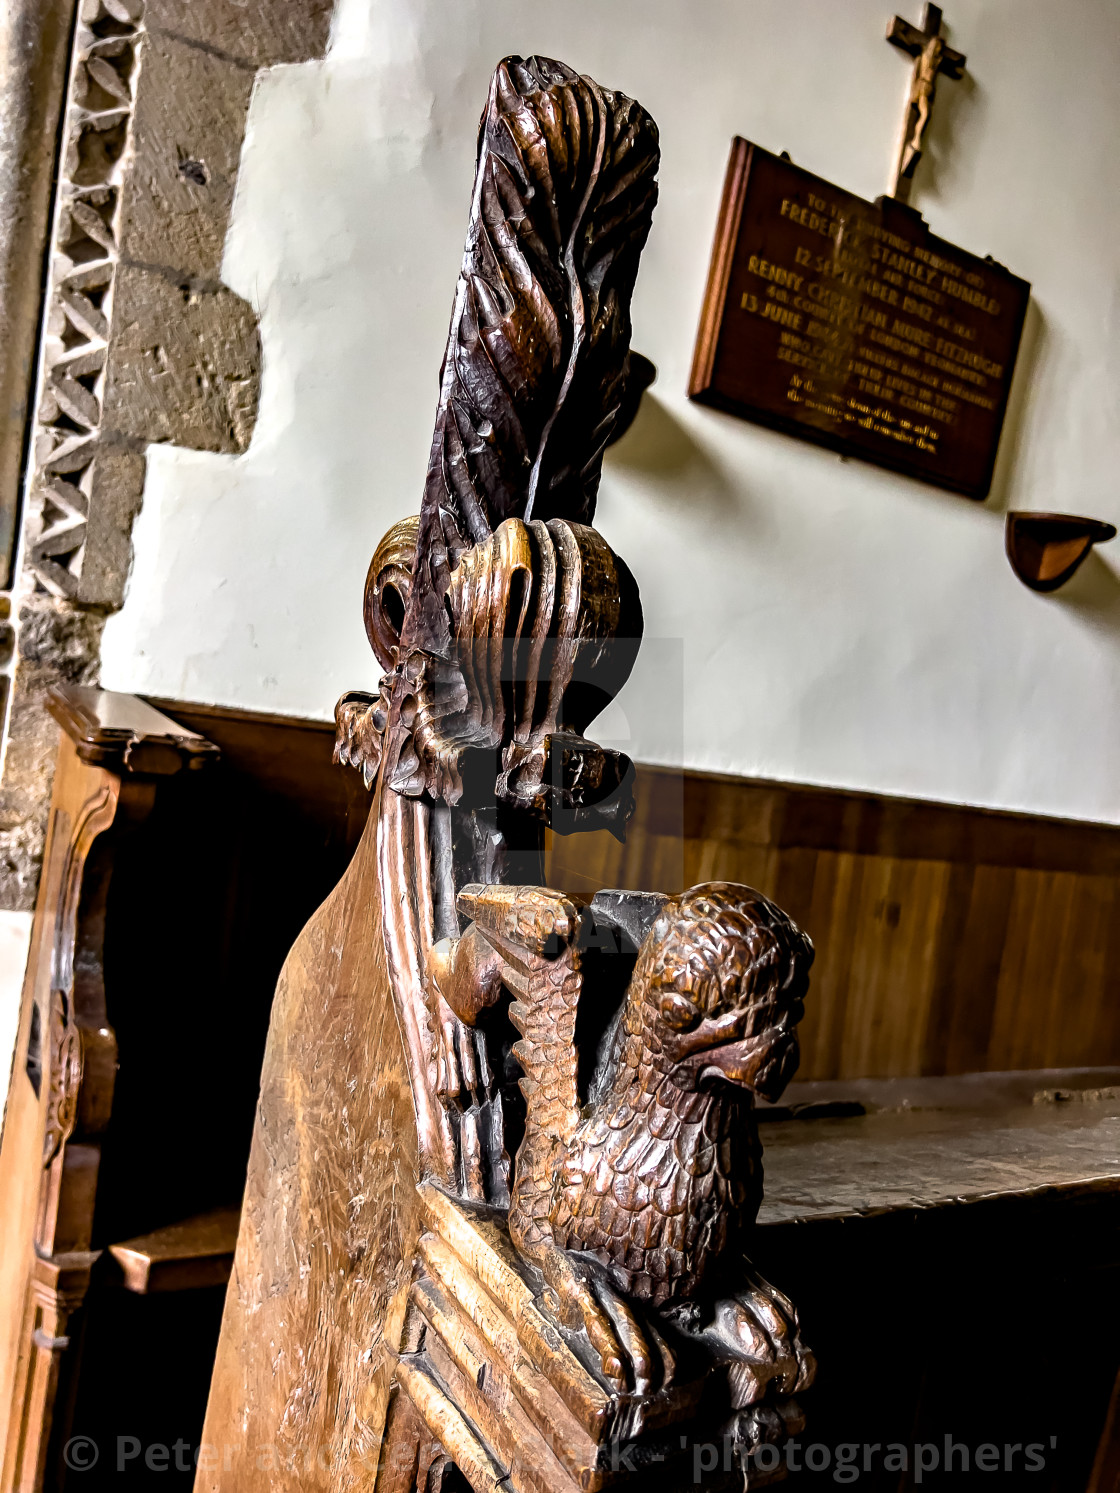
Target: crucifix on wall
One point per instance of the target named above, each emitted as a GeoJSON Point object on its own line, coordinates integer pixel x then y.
{"type": "Point", "coordinates": [931, 58]}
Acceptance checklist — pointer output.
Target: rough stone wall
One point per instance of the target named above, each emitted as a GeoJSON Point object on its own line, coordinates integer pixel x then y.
{"type": "Point", "coordinates": [34, 56]}
{"type": "Point", "coordinates": [142, 342]}
{"type": "Point", "coordinates": [58, 644]}
{"type": "Point", "coordinates": [34, 62]}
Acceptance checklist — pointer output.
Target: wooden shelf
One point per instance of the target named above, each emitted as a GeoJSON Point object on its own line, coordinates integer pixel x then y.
{"type": "Point", "coordinates": [182, 1256]}
{"type": "Point", "coordinates": [941, 1143]}
{"type": "Point", "coordinates": [124, 734]}
{"type": "Point", "coordinates": [1045, 549]}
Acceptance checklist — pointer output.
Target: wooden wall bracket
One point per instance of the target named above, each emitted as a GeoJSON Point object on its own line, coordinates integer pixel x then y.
{"type": "Point", "coordinates": [1046, 549]}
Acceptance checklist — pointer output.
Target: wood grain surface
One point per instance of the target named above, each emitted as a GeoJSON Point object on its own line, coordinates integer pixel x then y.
{"type": "Point", "coordinates": [785, 343]}
{"type": "Point", "coordinates": [949, 939]}
{"type": "Point", "coordinates": [938, 1158]}
{"type": "Point", "coordinates": [62, 1090]}
{"type": "Point", "coordinates": [31, 1191]}
{"type": "Point", "coordinates": [330, 1221]}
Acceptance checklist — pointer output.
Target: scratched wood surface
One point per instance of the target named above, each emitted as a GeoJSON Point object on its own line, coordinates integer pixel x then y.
{"type": "Point", "coordinates": [949, 939]}
{"type": "Point", "coordinates": [917, 1159]}
{"type": "Point", "coordinates": [330, 1221]}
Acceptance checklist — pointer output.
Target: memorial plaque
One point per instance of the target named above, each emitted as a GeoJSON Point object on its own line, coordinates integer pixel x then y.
{"type": "Point", "coordinates": [849, 324]}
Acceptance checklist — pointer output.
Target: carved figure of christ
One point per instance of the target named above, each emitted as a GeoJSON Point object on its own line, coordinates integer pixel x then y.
{"type": "Point", "coordinates": [931, 58]}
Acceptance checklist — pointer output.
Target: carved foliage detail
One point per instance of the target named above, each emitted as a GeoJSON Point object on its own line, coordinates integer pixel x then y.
{"type": "Point", "coordinates": [64, 1076]}
{"type": "Point", "coordinates": [544, 627]}
{"type": "Point", "coordinates": [535, 370]}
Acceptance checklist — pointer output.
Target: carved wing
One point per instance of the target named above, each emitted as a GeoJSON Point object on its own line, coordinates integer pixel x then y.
{"type": "Point", "coordinates": [535, 371]}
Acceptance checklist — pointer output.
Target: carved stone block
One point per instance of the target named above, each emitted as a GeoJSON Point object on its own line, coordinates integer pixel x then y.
{"type": "Point", "coordinates": [257, 33]}
{"type": "Point", "coordinates": [185, 363]}
{"type": "Point", "coordinates": [186, 134]}
{"type": "Point", "coordinates": [141, 342]}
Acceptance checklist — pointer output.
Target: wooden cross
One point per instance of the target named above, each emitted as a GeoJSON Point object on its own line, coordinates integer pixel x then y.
{"type": "Point", "coordinates": [931, 57]}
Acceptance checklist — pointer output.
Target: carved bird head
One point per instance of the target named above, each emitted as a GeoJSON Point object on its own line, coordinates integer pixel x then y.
{"type": "Point", "coordinates": [723, 974]}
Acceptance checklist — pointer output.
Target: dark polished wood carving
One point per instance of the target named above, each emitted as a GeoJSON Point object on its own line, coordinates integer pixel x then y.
{"type": "Point", "coordinates": [511, 623]}
{"type": "Point", "coordinates": [639, 1192]}
{"type": "Point", "coordinates": [505, 623]}
{"type": "Point", "coordinates": [569, 1273]}
{"type": "Point", "coordinates": [847, 323]}
{"type": "Point", "coordinates": [1046, 549]}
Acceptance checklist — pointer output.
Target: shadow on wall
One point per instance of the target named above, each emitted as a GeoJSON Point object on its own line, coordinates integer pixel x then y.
{"type": "Point", "coordinates": [658, 446]}
{"type": "Point", "coordinates": [1094, 595]}
{"type": "Point", "coordinates": [1013, 441]}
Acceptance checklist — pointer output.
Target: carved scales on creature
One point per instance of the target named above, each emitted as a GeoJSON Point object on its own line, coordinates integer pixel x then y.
{"type": "Point", "coordinates": [597, 1284]}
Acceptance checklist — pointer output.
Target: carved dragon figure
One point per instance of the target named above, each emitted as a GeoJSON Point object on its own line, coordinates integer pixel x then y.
{"type": "Point", "coordinates": [657, 1177]}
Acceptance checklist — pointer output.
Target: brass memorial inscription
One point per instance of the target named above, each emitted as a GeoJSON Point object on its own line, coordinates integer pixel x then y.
{"type": "Point", "coordinates": [849, 324]}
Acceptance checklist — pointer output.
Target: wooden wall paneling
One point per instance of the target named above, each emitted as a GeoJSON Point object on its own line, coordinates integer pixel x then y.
{"type": "Point", "coordinates": [1106, 1031]}
{"type": "Point", "coordinates": [896, 914]}
{"type": "Point", "coordinates": [1090, 983]}
{"type": "Point", "coordinates": [587, 862]}
{"type": "Point", "coordinates": [1105, 949]}
{"type": "Point", "coordinates": [949, 939]}
{"type": "Point", "coordinates": [1050, 973]}
{"type": "Point", "coordinates": [289, 761]}
{"type": "Point", "coordinates": [1079, 987]}
{"type": "Point", "coordinates": [1028, 975]}
{"type": "Point", "coordinates": [836, 882]}
{"type": "Point", "coordinates": [662, 843]}
{"type": "Point", "coordinates": [716, 860]}
{"type": "Point", "coordinates": [810, 891]}
{"type": "Point", "coordinates": [969, 954]}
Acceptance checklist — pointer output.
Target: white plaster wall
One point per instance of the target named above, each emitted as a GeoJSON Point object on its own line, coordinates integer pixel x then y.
{"type": "Point", "coordinates": [840, 625]}
{"type": "Point", "coordinates": [15, 941]}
